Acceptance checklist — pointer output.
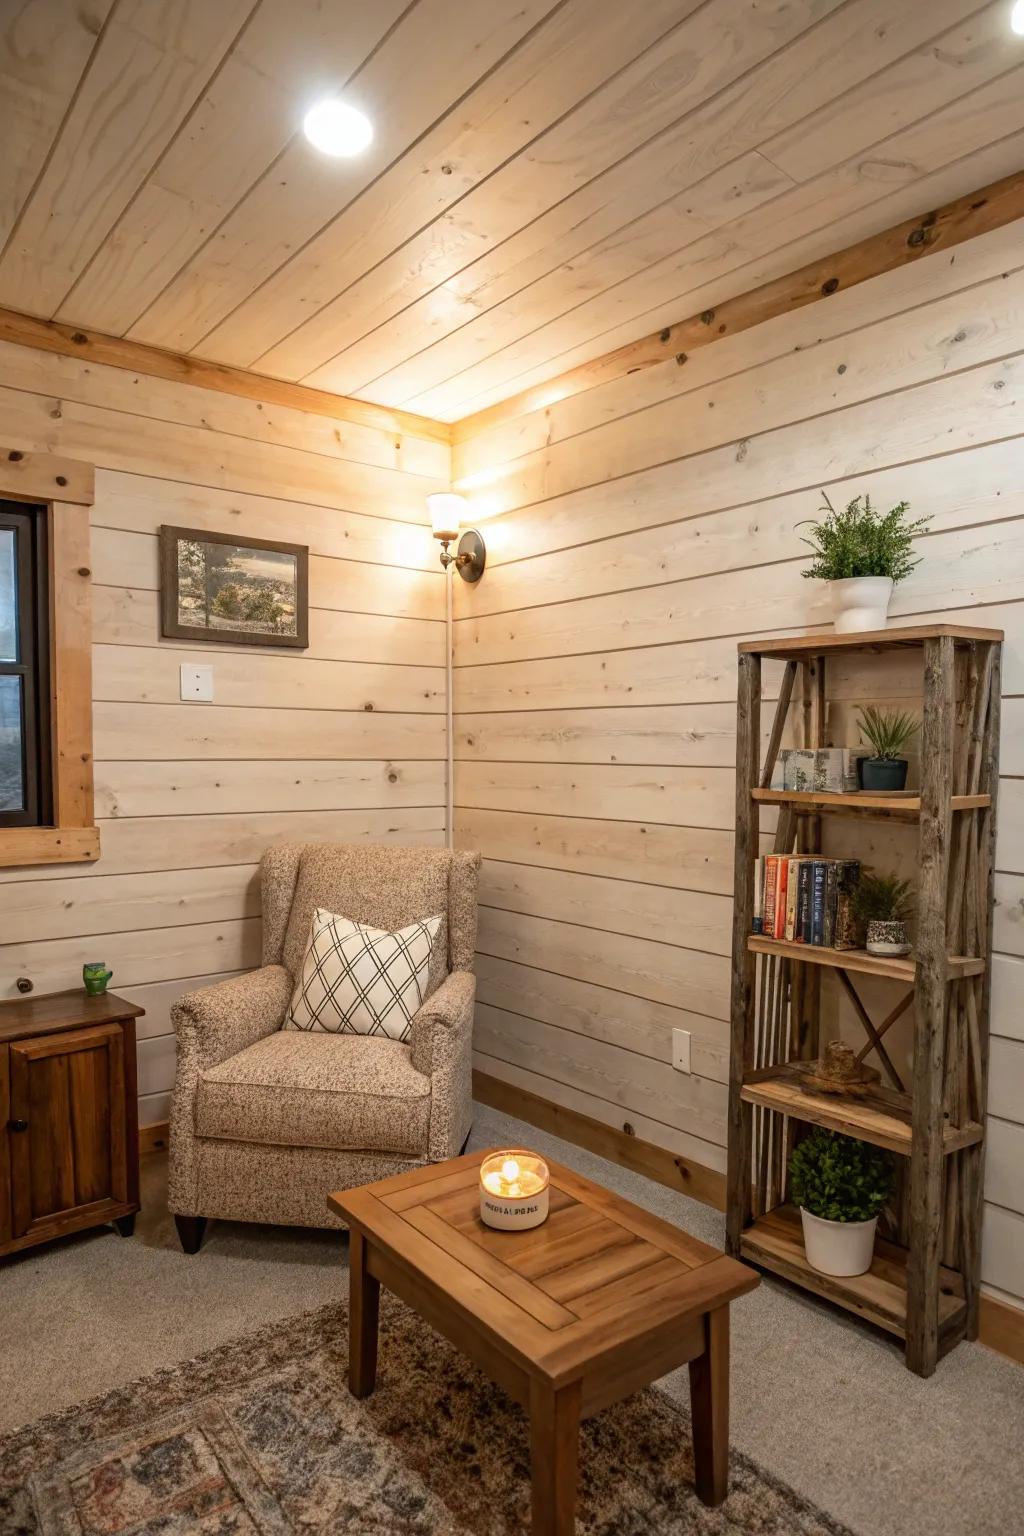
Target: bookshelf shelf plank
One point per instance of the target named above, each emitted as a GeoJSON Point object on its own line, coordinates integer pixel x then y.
{"type": "Point", "coordinates": [874, 641]}
{"type": "Point", "coordinates": [901, 969]}
{"type": "Point", "coordinates": [905, 806]}
{"type": "Point", "coordinates": [882, 1117]}
{"type": "Point", "coordinates": [776, 1243]}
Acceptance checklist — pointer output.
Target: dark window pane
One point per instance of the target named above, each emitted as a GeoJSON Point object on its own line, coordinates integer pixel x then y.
{"type": "Point", "coordinates": [12, 746]}
{"type": "Point", "coordinates": [8, 597]}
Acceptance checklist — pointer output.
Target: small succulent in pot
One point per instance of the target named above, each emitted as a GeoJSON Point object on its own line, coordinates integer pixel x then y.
{"type": "Point", "coordinates": [862, 553]}
{"type": "Point", "coordinates": [888, 732]}
{"type": "Point", "coordinates": [840, 1185]}
{"type": "Point", "coordinates": [881, 905]}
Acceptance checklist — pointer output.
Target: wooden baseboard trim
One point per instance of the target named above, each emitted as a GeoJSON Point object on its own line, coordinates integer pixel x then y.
{"type": "Point", "coordinates": [989, 208]}
{"type": "Point", "coordinates": [679, 1173]}
{"type": "Point", "coordinates": [154, 1138]}
{"type": "Point", "coordinates": [1001, 1327]}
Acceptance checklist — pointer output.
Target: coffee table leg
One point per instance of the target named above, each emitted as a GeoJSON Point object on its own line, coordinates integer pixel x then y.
{"type": "Point", "coordinates": [709, 1405]}
{"type": "Point", "coordinates": [554, 1457]}
{"type": "Point", "coordinates": [363, 1306]}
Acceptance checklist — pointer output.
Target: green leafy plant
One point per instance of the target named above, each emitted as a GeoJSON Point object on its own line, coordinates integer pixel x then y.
{"type": "Point", "coordinates": [838, 1178]}
{"type": "Point", "coordinates": [859, 541]}
{"type": "Point", "coordinates": [888, 731]}
{"type": "Point", "coordinates": [881, 899]}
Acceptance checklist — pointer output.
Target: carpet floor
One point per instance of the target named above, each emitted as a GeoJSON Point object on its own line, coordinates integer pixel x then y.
{"type": "Point", "coordinates": [261, 1436]}
{"type": "Point", "coordinates": [821, 1402]}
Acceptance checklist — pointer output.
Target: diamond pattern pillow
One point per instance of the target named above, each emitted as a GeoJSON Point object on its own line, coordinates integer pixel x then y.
{"type": "Point", "coordinates": [357, 980]}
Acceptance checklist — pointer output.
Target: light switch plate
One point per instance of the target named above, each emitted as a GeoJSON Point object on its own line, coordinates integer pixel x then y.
{"type": "Point", "coordinates": [197, 684]}
{"type": "Point", "coordinates": [681, 1050]}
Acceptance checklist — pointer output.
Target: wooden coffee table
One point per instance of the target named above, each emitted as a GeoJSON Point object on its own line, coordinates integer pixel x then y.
{"type": "Point", "coordinates": [599, 1301]}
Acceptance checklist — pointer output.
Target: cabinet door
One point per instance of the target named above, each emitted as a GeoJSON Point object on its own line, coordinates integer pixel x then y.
{"type": "Point", "coordinates": [67, 1128]}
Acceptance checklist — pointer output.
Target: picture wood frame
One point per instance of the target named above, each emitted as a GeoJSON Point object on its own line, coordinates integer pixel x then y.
{"type": "Point", "coordinates": [287, 590]}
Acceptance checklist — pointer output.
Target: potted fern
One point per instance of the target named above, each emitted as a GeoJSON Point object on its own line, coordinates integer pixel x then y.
{"type": "Point", "coordinates": [888, 732]}
{"type": "Point", "coordinates": [840, 1185]}
{"type": "Point", "coordinates": [881, 906]}
{"type": "Point", "coordinates": [862, 553]}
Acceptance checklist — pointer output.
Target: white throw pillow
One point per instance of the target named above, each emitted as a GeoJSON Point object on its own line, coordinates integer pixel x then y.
{"type": "Point", "coordinates": [357, 980]}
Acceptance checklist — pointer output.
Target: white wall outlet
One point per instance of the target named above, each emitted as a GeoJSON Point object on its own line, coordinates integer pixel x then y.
{"type": "Point", "coordinates": [197, 684]}
{"type": "Point", "coordinates": [681, 1050]}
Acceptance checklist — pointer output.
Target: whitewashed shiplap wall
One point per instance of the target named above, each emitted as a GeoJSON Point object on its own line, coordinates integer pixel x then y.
{"type": "Point", "coordinates": [635, 532]}
{"type": "Point", "coordinates": [344, 740]}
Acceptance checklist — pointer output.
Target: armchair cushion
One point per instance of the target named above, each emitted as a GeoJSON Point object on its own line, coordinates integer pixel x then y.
{"type": "Point", "coordinates": [295, 1089]}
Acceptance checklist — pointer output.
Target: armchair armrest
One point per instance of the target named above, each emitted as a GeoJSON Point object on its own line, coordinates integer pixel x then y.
{"type": "Point", "coordinates": [442, 1048]}
{"type": "Point", "coordinates": [216, 1022]}
{"type": "Point", "coordinates": [212, 1024]}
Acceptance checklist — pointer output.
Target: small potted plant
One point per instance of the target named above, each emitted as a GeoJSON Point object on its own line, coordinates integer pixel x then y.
{"type": "Point", "coordinates": [840, 1185]}
{"type": "Point", "coordinates": [882, 904]}
{"type": "Point", "coordinates": [888, 732]}
{"type": "Point", "coordinates": [862, 553]}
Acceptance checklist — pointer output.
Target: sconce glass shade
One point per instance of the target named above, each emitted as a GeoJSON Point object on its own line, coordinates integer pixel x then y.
{"type": "Point", "coordinates": [446, 509]}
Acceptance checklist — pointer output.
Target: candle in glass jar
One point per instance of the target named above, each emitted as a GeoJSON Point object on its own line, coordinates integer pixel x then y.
{"type": "Point", "coordinates": [513, 1190]}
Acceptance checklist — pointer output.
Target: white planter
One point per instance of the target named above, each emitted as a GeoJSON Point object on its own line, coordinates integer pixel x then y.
{"type": "Point", "coordinates": [838, 1247]}
{"type": "Point", "coordinates": [860, 602]}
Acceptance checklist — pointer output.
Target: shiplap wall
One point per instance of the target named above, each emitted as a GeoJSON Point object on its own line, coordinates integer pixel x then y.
{"type": "Point", "coordinates": [634, 533]}
{"type": "Point", "coordinates": [345, 740]}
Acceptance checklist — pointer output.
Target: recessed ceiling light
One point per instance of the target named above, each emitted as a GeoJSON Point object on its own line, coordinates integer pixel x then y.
{"type": "Point", "coordinates": [337, 129]}
{"type": "Point", "coordinates": [1017, 18]}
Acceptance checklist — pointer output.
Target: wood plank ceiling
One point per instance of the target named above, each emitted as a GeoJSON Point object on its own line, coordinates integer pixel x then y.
{"type": "Point", "coordinates": [549, 178]}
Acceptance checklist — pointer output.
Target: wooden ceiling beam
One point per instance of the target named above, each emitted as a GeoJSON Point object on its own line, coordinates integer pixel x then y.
{"type": "Point", "coordinates": [976, 214]}
{"type": "Point", "coordinates": [114, 352]}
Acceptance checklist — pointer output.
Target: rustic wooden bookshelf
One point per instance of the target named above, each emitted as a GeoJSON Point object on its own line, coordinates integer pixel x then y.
{"type": "Point", "coordinates": [923, 1284]}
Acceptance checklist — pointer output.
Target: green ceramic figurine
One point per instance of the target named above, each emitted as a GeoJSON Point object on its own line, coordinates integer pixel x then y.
{"type": "Point", "coordinates": [96, 977]}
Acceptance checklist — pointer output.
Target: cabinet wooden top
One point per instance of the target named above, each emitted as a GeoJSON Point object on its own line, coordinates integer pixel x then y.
{"type": "Point", "coordinates": [828, 643]}
{"type": "Point", "coordinates": [62, 1010]}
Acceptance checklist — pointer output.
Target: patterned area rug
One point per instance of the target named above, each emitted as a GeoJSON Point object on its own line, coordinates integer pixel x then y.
{"type": "Point", "coordinates": [260, 1438]}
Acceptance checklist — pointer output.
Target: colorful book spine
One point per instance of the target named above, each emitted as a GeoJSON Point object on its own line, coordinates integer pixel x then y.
{"type": "Point", "coordinates": [782, 878]}
{"type": "Point", "coordinates": [792, 877]}
{"type": "Point", "coordinates": [758, 923]}
{"type": "Point", "coordinates": [803, 903]}
{"type": "Point", "coordinates": [771, 875]}
{"type": "Point", "coordinates": [831, 878]}
{"type": "Point", "coordinates": [818, 875]}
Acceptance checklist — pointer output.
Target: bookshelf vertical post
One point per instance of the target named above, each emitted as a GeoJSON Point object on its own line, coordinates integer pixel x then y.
{"type": "Point", "coordinates": [748, 752]}
{"type": "Point", "coordinates": [932, 999]}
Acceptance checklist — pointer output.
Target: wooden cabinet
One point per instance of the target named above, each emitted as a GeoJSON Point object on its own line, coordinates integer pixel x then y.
{"type": "Point", "coordinates": [69, 1157]}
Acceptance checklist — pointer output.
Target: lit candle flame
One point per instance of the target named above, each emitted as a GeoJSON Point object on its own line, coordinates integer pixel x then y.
{"type": "Point", "coordinates": [510, 1170]}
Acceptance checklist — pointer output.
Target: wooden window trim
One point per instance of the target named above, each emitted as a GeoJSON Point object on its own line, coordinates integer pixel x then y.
{"type": "Point", "coordinates": [66, 489]}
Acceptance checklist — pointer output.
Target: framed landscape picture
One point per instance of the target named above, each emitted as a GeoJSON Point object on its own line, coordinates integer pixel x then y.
{"type": "Point", "coordinates": [214, 586]}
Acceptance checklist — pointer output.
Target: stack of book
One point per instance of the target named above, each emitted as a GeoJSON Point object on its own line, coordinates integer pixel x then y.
{"type": "Point", "coordinates": [806, 899]}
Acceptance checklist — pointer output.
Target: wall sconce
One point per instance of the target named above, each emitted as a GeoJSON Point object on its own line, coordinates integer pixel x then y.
{"type": "Point", "coordinates": [446, 509]}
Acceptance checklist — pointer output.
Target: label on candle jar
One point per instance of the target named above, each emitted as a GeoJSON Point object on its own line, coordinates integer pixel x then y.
{"type": "Point", "coordinates": [517, 1211]}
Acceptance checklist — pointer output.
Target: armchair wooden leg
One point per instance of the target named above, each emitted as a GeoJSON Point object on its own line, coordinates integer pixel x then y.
{"type": "Point", "coordinates": [190, 1231]}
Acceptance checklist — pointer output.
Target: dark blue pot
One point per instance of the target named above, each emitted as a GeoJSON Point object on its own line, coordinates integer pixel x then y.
{"type": "Point", "coordinates": [883, 775]}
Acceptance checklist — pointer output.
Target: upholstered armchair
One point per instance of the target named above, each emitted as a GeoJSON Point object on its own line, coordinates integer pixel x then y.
{"type": "Point", "coordinates": [266, 1121]}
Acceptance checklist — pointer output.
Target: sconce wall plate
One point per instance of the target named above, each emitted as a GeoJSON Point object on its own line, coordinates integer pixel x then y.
{"type": "Point", "coordinates": [471, 557]}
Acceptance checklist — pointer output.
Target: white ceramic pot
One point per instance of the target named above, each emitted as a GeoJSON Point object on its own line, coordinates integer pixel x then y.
{"type": "Point", "coordinates": [838, 1247]}
{"type": "Point", "coordinates": [860, 602]}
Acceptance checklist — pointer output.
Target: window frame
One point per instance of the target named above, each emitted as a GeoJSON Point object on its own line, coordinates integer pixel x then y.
{"type": "Point", "coordinates": [27, 520]}
{"type": "Point", "coordinates": [63, 491]}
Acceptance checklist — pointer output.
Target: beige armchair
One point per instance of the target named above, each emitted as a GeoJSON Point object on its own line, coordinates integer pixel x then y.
{"type": "Point", "coordinates": [265, 1121]}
